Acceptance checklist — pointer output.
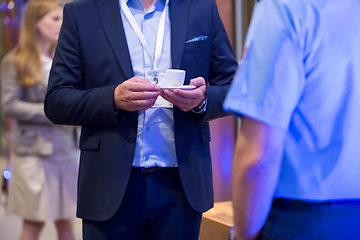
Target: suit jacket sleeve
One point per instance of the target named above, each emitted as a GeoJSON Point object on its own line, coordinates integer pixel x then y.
{"type": "Point", "coordinates": [13, 101]}
{"type": "Point", "coordinates": [67, 100]}
{"type": "Point", "coordinates": [222, 69]}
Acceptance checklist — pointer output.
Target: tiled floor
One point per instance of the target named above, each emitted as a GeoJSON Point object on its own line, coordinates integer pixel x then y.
{"type": "Point", "coordinates": [10, 225]}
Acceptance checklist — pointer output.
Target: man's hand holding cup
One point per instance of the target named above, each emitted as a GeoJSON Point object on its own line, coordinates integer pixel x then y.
{"type": "Point", "coordinates": [136, 94]}
{"type": "Point", "coordinates": [184, 99]}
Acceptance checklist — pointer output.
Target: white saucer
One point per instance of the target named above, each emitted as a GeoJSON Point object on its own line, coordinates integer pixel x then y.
{"type": "Point", "coordinates": [185, 87]}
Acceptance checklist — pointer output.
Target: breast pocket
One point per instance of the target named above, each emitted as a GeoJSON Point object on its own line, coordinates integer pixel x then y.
{"type": "Point", "coordinates": [196, 44]}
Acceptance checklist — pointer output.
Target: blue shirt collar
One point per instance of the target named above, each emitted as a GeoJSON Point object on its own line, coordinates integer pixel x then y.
{"type": "Point", "coordinates": [139, 5]}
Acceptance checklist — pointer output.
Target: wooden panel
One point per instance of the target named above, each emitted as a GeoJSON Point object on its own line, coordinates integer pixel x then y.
{"type": "Point", "coordinates": [226, 11]}
{"type": "Point", "coordinates": [217, 223]}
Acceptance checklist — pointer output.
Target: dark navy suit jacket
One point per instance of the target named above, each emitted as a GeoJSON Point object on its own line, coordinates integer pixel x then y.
{"type": "Point", "coordinates": [92, 58]}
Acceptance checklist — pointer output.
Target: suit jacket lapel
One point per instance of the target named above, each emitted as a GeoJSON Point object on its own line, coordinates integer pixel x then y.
{"type": "Point", "coordinates": [111, 18]}
{"type": "Point", "coordinates": [179, 15]}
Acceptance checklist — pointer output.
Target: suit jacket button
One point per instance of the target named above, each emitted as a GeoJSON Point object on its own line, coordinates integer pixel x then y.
{"type": "Point", "coordinates": [131, 139]}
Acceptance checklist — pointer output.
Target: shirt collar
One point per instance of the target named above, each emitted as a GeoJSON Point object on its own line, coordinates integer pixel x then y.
{"type": "Point", "coordinates": [138, 3]}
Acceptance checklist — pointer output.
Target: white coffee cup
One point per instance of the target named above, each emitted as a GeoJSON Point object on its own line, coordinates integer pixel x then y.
{"type": "Point", "coordinates": [172, 78]}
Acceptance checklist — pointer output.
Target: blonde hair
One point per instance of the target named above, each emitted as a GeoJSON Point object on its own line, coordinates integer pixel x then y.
{"type": "Point", "coordinates": [27, 54]}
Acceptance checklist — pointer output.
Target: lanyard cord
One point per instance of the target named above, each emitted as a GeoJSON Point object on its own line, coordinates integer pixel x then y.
{"type": "Point", "coordinates": [159, 37]}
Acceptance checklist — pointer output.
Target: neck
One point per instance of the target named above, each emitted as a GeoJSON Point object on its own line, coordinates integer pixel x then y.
{"type": "Point", "coordinates": [148, 3]}
{"type": "Point", "coordinates": [44, 47]}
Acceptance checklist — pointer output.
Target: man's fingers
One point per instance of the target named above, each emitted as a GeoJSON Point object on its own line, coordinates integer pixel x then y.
{"type": "Point", "coordinates": [138, 79]}
{"type": "Point", "coordinates": [138, 84]}
{"type": "Point", "coordinates": [168, 98]}
{"type": "Point", "coordinates": [182, 105]}
{"type": "Point", "coordinates": [199, 81]}
{"type": "Point", "coordinates": [140, 87]}
{"type": "Point", "coordinates": [175, 98]}
{"type": "Point", "coordinates": [143, 95]}
{"type": "Point", "coordinates": [144, 82]}
{"type": "Point", "coordinates": [145, 104]}
{"type": "Point", "coordinates": [193, 94]}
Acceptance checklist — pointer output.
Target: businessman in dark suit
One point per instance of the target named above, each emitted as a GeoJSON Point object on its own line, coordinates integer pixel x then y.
{"type": "Point", "coordinates": [145, 167]}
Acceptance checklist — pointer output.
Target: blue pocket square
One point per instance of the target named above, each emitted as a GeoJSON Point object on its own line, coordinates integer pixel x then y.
{"type": "Point", "coordinates": [196, 39]}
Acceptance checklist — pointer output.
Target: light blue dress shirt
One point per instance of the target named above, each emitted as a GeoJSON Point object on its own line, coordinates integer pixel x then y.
{"type": "Point", "coordinates": [302, 73]}
{"type": "Point", "coordinates": [155, 143]}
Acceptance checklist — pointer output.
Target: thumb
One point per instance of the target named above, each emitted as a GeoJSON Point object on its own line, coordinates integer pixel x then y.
{"type": "Point", "coordinates": [198, 82]}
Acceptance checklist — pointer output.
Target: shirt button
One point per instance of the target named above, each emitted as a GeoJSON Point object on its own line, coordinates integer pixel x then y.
{"type": "Point", "coordinates": [146, 158]}
{"type": "Point", "coordinates": [147, 128]}
{"type": "Point", "coordinates": [149, 73]}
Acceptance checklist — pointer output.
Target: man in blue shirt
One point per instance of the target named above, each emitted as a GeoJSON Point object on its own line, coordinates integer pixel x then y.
{"type": "Point", "coordinates": [298, 92]}
{"type": "Point", "coordinates": [145, 167]}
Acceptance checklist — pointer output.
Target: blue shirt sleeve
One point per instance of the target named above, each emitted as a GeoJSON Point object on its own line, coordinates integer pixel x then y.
{"type": "Point", "coordinates": [270, 80]}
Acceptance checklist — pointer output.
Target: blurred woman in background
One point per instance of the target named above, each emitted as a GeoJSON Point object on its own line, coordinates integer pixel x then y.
{"type": "Point", "coordinates": [44, 155]}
